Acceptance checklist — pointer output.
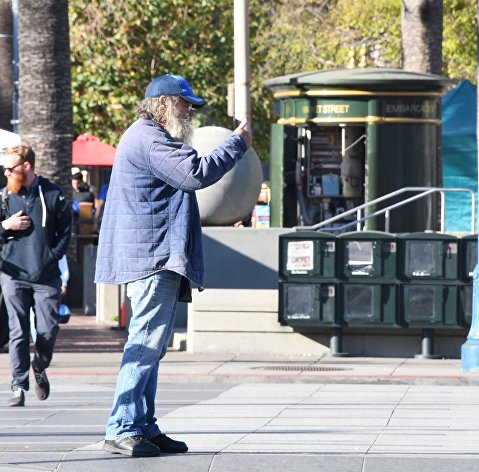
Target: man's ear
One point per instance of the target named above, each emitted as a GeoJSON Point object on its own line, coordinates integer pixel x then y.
{"type": "Point", "coordinates": [162, 110]}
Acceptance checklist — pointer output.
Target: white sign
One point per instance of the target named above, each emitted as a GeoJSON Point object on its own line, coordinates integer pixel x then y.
{"type": "Point", "coordinates": [300, 257]}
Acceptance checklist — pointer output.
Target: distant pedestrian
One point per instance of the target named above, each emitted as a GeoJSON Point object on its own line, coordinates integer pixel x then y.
{"type": "Point", "coordinates": [150, 239]}
{"type": "Point", "coordinates": [100, 207]}
{"type": "Point", "coordinates": [81, 190]}
{"type": "Point", "coordinates": [81, 194]}
{"type": "Point", "coordinates": [36, 230]}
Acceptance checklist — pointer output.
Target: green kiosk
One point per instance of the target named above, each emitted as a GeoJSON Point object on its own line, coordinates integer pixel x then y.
{"type": "Point", "coordinates": [348, 136]}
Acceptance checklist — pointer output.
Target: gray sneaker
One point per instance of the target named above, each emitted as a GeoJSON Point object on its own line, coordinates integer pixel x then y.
{"type": "Point", "coordinates": [18, 398]}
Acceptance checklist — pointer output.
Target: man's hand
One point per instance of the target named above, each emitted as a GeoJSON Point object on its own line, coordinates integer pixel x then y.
{"type": "Point", "coordinates": [17, 222]}
{"type": "Point", "coordinates": [244, 133]}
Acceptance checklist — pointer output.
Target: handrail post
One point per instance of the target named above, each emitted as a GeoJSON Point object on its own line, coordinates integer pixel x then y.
{"type": "Point", "coordinates": [386, 221]}
{"type": "Point", "coordinates": [358, 217]}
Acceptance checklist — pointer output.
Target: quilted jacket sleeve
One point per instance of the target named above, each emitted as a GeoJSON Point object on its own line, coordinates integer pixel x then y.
{"type": "Point", "coordinates": [180, 166]}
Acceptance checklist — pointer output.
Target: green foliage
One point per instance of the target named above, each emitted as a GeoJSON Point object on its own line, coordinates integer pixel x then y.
{"type": "Point", "coordinates": [321, 34]}
{"type": "Point", "coordinates": [459, 45]}
{"type": "Point", "coordinates": [118, 46]}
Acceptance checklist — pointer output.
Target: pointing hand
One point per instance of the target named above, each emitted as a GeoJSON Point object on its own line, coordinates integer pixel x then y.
{"type": "Point", "coordinates": [244, 133]}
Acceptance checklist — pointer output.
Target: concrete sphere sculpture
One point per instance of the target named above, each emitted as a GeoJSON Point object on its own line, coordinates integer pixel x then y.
{"type": "Point", "coordinates": [230, 199]}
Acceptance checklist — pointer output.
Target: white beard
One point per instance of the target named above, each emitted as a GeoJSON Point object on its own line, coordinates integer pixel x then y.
{"type": "Point", "coordinates": [180, 129]}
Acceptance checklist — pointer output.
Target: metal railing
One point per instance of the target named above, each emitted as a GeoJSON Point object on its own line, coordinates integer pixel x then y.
{"type": "Point", "coordinates": [424, 191]}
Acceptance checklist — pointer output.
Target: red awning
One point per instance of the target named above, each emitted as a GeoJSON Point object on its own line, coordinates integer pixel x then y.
{"type": "Point", "coordinates": [88, 150]}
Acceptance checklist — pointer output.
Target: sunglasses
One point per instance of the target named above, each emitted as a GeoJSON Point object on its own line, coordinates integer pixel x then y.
{"type": "Point", "coordinates": [10, 169]}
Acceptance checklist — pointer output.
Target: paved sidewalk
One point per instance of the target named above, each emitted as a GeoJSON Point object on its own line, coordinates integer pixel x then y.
{"type": "Point", "coordinates": [256, 427]}
{"type": "Point", "coordinates": [243, 413]}
{"type": "Point", "coordinates": [91, 351]}
{"type": "Point", "coordinates": [184, 367]}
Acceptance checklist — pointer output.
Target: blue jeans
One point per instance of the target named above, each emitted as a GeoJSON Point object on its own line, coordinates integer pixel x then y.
{"type": "Point", "coordinates": [153, 302]}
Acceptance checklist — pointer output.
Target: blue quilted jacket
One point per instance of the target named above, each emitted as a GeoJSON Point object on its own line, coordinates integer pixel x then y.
{"type": "Point", "coordinates": [151, 220]}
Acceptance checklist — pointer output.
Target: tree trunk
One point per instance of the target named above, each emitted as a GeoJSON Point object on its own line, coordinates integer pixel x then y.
{"type": "Point", "coordinates": [6, 69]}
{"type": "Point", "coordinates": [45, 108]}
{"type": "Point", "coordinates": [421, 29]}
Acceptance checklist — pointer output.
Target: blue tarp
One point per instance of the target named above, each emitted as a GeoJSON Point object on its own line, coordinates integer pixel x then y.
{"type": "Point", "coordinates": [459, 153]}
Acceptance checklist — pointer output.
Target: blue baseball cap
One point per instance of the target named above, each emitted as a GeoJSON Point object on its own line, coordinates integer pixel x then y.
{"type": "Point", "coordinates": [173, 85]}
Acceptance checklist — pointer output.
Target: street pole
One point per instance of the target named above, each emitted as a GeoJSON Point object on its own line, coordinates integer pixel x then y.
{"type": "Point", "coordinates": [470, 349]}
{"type": "Point", "coordinates": [242, 102]}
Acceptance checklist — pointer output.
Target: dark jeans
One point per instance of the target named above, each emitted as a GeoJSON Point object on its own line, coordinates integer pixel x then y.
{"type": "Point", "coordinates": [20, 297]}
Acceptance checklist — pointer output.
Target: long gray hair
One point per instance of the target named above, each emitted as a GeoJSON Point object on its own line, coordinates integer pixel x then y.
{"type": "Point", "coordinates": [151, 108]}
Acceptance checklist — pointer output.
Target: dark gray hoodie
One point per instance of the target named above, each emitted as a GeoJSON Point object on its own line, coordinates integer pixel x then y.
{"type": "Point", "coordinates": [33, 254]}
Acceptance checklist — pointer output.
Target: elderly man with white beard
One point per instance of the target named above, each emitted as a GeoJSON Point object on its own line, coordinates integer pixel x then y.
{"type": "Point", "coordinates": [151, 240]}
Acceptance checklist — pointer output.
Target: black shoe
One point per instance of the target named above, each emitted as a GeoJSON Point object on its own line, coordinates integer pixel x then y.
{"type": "Point", "coordinates": [42, 385]}
{"type": "Point", "coordinates": [167, 444]}
{"type": "Point", "coordinates": [135, 446]}
{"type": "Point", "coordinates": [18, 398]}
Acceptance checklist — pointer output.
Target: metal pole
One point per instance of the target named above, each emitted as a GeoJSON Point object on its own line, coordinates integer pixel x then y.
{"type": "Point", "coordinates": [242, 102]}
{"type": "Point", "coordinates": [470, 349]}
{"type": "Point", "coordinates": [427, 345]}
{"type": "Point", "coordinates": [473, 212]}
{"type": "Point", "coordinates": [443, 212]}
{"type": "Point", "coordinates": [336, 343]}
{"type": "Point", "coordinates": [16, 74]}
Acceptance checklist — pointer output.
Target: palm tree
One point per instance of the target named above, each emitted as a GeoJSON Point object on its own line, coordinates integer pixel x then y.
{"type": "Point", "coordinates": [6, 71]}
{"type": "Point", "coordinates": [45, 108]}
{"type": "Point", "coordinates": [421, 28]}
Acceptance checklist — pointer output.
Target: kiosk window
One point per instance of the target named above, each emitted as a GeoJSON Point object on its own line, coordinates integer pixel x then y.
{"type": "Point", "coordinates": [300, 302]}
{"type": "Point", "coordinates": [467, 302]}
{"type": "Point", "coordinates": [420, 303]}
{"type": "Point", "coordinates": [360, 256]}
{"type": "Point", "coordinates": [359, 303]}
{"type": "Point", "coordinates": [422, 258]}
{"type": "Point", "coordinates": [471, 258]}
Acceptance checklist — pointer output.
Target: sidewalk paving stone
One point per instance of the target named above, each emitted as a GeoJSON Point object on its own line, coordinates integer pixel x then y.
{"type": "Point", "coordinates": [250, 414]}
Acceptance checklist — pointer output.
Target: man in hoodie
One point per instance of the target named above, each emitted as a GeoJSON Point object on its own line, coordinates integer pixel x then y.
{"type": "Point", "coordinates": [36, 229]}
{"type": "Point", "coordinates": [150, 239]}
